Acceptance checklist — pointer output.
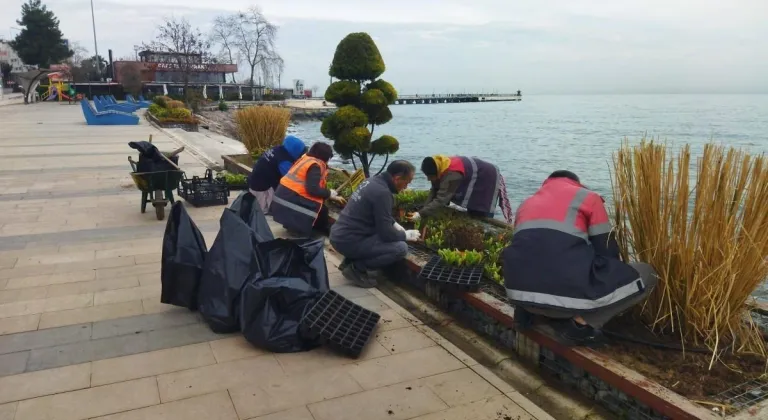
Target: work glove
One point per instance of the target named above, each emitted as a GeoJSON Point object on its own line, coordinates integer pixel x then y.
{"type": "Point", "coordinates": [452, 205]}
{"type": "Point", "coordinates": [398, 227]}
{"type": "Point", "coordinates": [415, 217]}
{"type": "Point", "coordinates": [412, 235]}
{"type": "Point", "coordinates": [334, 195]}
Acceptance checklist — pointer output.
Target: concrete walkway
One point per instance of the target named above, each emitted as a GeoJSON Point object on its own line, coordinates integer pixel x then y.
{"type": "Point", "coordinates": [83, 334]}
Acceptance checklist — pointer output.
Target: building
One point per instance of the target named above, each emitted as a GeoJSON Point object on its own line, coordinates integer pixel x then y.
{"type": "Point", "coordinates": [163, 67]}
{"type": "Point", "coordinates": [8, 55]}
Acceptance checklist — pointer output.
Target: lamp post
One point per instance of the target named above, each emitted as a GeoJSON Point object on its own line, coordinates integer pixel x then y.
{"type": "Point", "coordinates": [95, 45]}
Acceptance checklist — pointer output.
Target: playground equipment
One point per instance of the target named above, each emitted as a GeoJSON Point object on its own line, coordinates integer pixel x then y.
{"type": "Point", "coordinates": [59, 88]}
{"type": "Point", "coordinates": [108, 117]}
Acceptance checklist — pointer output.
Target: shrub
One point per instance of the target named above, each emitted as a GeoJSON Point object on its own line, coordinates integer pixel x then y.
{"type": "Point", "coordinates": [157, 110]}
{"type": "Point", "coordinates": [162, 101]}
{"type": "Point", "coordinates": [262, 127]}
{"type": "Point", "coordinates": [223, 106]}
{"type": "Point", "coordinates": [363, 101]}
{"type": "Point", "coordinates": [173, 104]}
{"type": "Point", "coordinates": [179, 113]}
{"type": "Point", "coordinates": [707, 241]}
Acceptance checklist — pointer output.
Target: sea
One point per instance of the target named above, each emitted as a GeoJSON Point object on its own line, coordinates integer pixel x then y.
{"type": "Point", "coordinates": [530, 139]}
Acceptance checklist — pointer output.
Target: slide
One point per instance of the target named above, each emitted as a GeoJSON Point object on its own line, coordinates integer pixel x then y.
{"type": "Point", "coordinates": [53, 95]}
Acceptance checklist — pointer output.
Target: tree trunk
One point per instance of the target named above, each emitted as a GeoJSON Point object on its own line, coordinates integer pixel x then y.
{"type": "Point", "coordinates": [365, 164]}
{"type": "Point", "coordinates": [253, 67]}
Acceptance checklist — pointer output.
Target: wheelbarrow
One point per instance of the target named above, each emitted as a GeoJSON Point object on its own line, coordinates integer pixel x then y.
{"type": "Point", "coordinates": [157, 187]}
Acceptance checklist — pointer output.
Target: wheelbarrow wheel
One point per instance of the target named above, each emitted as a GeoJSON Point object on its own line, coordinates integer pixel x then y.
{"type": "Point", "coordinates": [160, 211]}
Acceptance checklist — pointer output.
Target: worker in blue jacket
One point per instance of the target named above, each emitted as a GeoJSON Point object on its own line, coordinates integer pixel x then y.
{"type": "Point", "coordinates": [270, 168]}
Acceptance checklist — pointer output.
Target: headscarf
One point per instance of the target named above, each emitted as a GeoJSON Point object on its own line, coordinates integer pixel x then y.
{"type": "Point", "coordinates": [442, 162]}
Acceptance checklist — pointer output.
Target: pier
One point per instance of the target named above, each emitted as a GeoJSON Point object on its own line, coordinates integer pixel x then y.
{"type": "Point", "coordinates": [450, 98]}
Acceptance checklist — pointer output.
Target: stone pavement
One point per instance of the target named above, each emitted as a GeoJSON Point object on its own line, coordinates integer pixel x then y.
{"type": "Point", "coordinates": [83, 334]}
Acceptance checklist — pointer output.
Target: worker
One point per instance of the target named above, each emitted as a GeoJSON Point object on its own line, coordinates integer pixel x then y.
{"type": "Point", "coordinates": [298, 202]}
{"type": "Point", "coordinates": [563, 262]}
{"type": "Point", "coordinates": [366, 234]}
{"type": "Point", "coordinates": [468, 182]}
{"type": "Point", "coordinates": [270, 168]}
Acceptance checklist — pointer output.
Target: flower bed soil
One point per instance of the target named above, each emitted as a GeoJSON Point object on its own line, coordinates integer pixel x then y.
{"type": "Point", "coordinates": [686, 373]}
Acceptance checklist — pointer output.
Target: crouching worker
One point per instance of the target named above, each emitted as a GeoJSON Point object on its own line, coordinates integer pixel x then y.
{"type": "Point", "coordinates": [366, 234]}
{"type": "Point", "coordinates": [467, 182]}
{"type": "Point", "coordinates": [563, 263]}
{"type": "Point", "coordinates": [270, 168]}
{"type": "Point", "coordinates": [298, 201]}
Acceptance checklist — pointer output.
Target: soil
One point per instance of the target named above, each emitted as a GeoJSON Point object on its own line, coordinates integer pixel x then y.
{"type": "Point", "coordinates": [687, 373]}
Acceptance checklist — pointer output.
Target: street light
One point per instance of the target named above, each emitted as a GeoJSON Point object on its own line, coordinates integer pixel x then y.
{"type": "Point", "coordinates": [95, 45]}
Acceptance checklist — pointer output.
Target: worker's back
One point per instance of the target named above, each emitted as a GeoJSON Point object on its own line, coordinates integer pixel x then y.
{"type": "Point", "coordinates": [359, 218]}
{"type": "Point", "coordinates": [552, 260]}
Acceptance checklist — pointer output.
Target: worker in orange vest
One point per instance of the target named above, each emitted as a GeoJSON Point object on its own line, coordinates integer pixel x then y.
{"type": "Point", "coordinates": [298, 201]}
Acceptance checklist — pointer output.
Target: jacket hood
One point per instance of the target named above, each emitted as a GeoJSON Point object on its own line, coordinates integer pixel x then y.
{"type": "Point", "coordinates": [295, 146]}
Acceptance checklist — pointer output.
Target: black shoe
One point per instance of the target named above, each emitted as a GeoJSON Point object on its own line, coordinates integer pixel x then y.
{"type": "Point", "coordinates": [344, 264]}
{"type": "Point", "coordinates": [358, 276]}
{"type": "Point", "coordinates": [580, 335]}
{"type": "Point", "coordinates": [523, 319]}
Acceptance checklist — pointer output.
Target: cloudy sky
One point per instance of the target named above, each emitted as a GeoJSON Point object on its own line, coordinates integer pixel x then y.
{"type": "Point", "coordinates": [544, 46]}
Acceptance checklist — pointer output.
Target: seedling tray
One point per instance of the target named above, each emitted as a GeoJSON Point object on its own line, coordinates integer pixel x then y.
{"type": "Point", "coordinates": [204, 191]}
{"type": "Point", "coordinates": [339, 323]}
{"type": "Point", "coordinates": [462, 278]}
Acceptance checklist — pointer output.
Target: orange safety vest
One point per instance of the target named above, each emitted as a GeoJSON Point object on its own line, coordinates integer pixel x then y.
{"type": "Point", "coordinates": [296, 178]}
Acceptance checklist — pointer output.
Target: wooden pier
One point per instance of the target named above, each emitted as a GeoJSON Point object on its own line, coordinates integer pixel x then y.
{"type": "Point", "coordinates": [457, 98]}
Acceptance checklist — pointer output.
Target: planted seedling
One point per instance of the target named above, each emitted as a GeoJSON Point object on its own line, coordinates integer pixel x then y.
{"type": "Point", "coordinates": [458, 258]}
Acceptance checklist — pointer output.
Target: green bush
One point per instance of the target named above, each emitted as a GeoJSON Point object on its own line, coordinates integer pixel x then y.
{"type": "Point", "coordinates": [223, 106]}
{"type": "Point", "coordinates": [158, 111]}
{"type": "Point", "coordinates": [162, 101]}
{"type": "Point", "coordinates": [179, 113]}
{"type": "Point", "coordinates": [363, 101]}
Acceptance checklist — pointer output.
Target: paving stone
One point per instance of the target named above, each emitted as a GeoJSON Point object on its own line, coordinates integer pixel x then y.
{"type": "Point", "coordinates": [17, 324]}
{"type": "Point", "coordinates": [182, 336]}
{"type": "Point", "coordinates": [142, 323]}
{"type": "Point", "coordinates": [278, 393]}
{"type": "Point", "coordinates": [404, 339]}
{"type": "Point", "coordinates": [93, 286]}
{"type": "Point", "coordinates": [351, 292]}
{"type": "Point", "coordinates": [127, 295]}
{"type": "Point", "coordinates": [87, 351]}
{"type": "Point", "coordinates": [92, 314]}
{"type": "Point", "coordinates": [298, 413]}
{"type": "Point", "coordinates": [44, 338]}
{"type": "Point", "coordinates": [494, 408]}
{"type": "Point", "coordinates": [323, 358]}
{"type": "Point", "coordinates": [8, 411]}
{"type": "Point", "coordinates": [27, 307]}
{"type": "Point", "coordinates": [32, 293]}
{"type": "Point", "coordinates": [217, 406]}
{"type": "Point", "coordinates": [234, 348]}
{"type": "Point", "coordinates": [51, 278]}
{"type": "Point", "coordinates": [13, 363]}
{"type": "Point", "coordinates": [91, 402]}
{"type": "Point", "coordinates": [36, 384]}
{"type": "Point", "coordinates": [218, 377]}
{"type": "Point", "coordinates": [403, 367]}
{"type": "Point", "coordinates": [372, 303]}
{"type": "Point", "coordinates": [393, 402]}
{"type": "Point", "coordinates": [63, 303]}
{"type": "Point", "coordinates": [154, 306]}
{"type": "Point", "coordinates": [459, 387]}
{"type": "Point", "coordinates": [391, 320]}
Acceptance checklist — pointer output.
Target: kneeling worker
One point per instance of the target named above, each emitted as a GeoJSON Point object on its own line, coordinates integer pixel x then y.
{"type": "Point", "coordinates": [298, 203]}
{"type": "Point", "coordinates": [563, 262]}
{"type": "Point", "coordinates": [270, 168]}
{"type": "Point", "coordinates": [366, 234]}
{"type": "Point", "coordinates": [468, 182]}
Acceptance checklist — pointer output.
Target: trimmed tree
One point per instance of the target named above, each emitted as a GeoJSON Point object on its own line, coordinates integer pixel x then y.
{"type": "Point", "coordinates": [363, 102]}
{"type": "Point", "coordinates": [40, 41]}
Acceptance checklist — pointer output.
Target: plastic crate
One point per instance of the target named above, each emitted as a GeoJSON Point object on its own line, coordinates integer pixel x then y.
{"type": "Point", "coordinates": [204, 191]}
{"type": "Point", "coordinates": [463, 278]}
{"type": "Point", "coordinates": [339, 323]}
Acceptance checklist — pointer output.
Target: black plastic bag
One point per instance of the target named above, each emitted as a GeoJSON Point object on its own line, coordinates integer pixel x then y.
{"type": "Point", "coordinates": [248, 209]}
{"type": "Point", "coordinates": [297, 258]}
{"type": "Point", "coordinates": [151, 159]}
{"type": "Point", "coordinates": [184, 254]}
{"type": "Point", "coordinates": [271, 310]}
{"type": "Point", "coordinates": [231, 261]}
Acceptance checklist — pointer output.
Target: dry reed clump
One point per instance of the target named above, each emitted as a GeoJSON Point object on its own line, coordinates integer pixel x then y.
{"type": "Point", "coordinates": [262, 127]}
{"type": "Point", "coordinates": [708, 239]}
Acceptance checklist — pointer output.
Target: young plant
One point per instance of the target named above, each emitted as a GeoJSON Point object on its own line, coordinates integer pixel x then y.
{"type": "Point", "coordinates": [411, 199]}
{"type": "Point", "coordinates": [458, 258]}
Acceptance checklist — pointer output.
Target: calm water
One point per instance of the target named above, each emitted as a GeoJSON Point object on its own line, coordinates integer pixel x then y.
{"type": "Point", "coordinates": [530, 139]}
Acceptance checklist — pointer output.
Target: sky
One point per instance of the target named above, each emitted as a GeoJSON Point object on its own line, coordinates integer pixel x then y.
{"type": "Point", "coordinates": [449, 46]}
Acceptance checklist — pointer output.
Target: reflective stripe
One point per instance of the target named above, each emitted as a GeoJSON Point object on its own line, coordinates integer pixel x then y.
{"type": "Point", "coordinates": [617, 295]}
{"type": "Point", "coordinates": [295, 207]}
{"type": "Point", "coordinates": [600, 229]}
{"type": "Point", "coordinates": [570, 229]}
{"type": "Point", "coordinates": [471, 186]}
{"type": "Point", "coordinates": [573, 208]}
{"type": "Point", "coordinates": [495, 200]}
{"type": "Point", "coordinates": [292, 173]}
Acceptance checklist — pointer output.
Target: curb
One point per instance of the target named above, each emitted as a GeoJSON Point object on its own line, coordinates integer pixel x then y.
{"type": "Point", "coordinates": [194, 151]}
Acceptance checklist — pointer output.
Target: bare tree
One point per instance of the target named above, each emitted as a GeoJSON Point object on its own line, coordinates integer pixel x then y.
{"type": "Point", "coordinates": [130, 78]}
{"type": "Point", "coordinates": [223, 34]}
{"type": "Point", "coordinates": [188, 49]}
{"type": "Point", "coordinates": [80, 54]}
{"type": "Point", "coordinates": [254, 38]}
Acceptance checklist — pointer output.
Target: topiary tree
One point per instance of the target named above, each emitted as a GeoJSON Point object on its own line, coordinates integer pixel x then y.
{"type": "Point", "coordinates": [363, 102]}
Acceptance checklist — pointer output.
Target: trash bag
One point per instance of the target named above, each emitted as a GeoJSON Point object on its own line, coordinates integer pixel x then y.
{"type": "Point", "coordinates": [231, 260]}
{"type": "Point", "coordinates": [271, 311]}
{"type": "Point", "coordinates": [248, 209]}
{"type": "Point", "coordinates": [298, 258]}
{"type": "Point", "coordinates": [151, 159]}
{"type": "Point", "coordinates": [184, 254]}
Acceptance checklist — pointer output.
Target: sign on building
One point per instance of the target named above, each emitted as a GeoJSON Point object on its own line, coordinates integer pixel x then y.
{"type": "Point", "coordinates": [298, 86]}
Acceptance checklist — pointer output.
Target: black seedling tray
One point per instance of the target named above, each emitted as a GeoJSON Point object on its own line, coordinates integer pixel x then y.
{"type": "Point", "coordinates": [341, 324]}
{"type": "Point", "coordinates": [204, 191]}
{"type": "Point", "coordinates": [462, 278]}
